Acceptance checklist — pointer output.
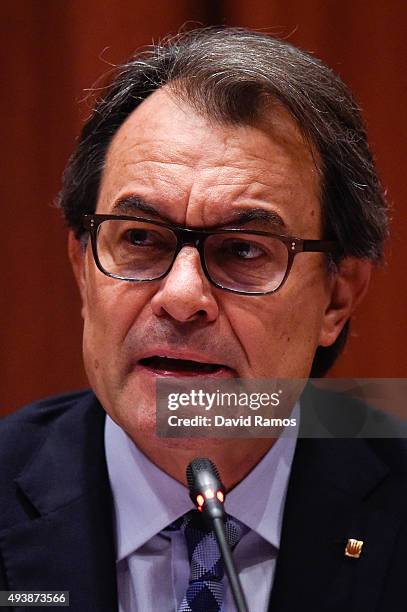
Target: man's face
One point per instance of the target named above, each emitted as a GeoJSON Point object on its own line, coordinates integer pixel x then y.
{"type": "Point", "coordinates": [198, 174]}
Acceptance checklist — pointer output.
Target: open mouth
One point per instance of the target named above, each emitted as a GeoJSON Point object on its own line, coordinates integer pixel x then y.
{"type": "Point", "coordinates": [166, 366]}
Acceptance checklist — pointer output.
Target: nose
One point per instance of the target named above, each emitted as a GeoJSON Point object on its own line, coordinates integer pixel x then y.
{"type": "Point", "coordinates": [185, 293]}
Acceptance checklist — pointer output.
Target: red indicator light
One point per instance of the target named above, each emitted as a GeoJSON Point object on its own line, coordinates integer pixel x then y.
{"type": "Point", "coordinates": [220, 496]}
{"type": "Point", "coordinates": [200, 500]}
{"type": "Point", "coordinates": [200, 508]}
{"type": "Point", "coordinates": [209, 494]}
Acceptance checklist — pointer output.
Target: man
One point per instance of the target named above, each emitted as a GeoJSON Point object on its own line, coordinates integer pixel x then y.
{"type": "Point", "coordinates": [259, 149]}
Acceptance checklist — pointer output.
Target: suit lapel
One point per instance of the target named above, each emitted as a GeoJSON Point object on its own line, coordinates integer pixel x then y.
{"type": "Point", "coordinates": [338, 489]}
{"type": "Point", "coordinates": [67, 544]}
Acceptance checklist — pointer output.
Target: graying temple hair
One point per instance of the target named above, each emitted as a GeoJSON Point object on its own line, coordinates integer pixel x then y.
{"type": "Point", "coordinates": [229, 74]}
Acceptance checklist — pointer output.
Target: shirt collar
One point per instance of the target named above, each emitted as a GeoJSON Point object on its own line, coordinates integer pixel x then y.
{"type": "Point", "coordinates": [146, 499]}
{"type": "Point", "coordinates": [258, 500]}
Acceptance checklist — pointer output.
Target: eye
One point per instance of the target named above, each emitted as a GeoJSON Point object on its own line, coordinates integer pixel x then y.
{"type": "Point", "coordinates": [242, 249]}
{"type": "Point", "coordinates": [140, 237]}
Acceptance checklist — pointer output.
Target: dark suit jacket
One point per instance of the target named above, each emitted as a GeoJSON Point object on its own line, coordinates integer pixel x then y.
{"type": "Point", "coordinates": [56, 528]}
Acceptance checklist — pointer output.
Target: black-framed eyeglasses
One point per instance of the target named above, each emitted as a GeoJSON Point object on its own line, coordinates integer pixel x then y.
{"type": "Point", "coordinates": [247, 262]}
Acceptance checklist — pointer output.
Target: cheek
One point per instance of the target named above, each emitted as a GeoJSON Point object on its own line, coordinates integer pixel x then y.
{"type": "Point", "coordinates": [110, 310]}
{"type": "Point", "coordinates": [279, 333]}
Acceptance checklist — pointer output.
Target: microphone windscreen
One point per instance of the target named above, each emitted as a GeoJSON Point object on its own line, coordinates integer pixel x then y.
{"type": "Point", "coordinates": [197, 465]}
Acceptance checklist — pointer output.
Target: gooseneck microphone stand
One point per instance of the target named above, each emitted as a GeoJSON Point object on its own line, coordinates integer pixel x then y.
{"type": "Point", "coordinates": [208, 494]}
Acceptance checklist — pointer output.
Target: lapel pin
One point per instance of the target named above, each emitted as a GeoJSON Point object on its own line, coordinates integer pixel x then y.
{"type": "Point", "coordinates": [353, 548]}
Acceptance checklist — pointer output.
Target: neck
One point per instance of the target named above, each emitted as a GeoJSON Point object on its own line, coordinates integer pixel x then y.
{"type": "Point", "coordinates": [234, 458]}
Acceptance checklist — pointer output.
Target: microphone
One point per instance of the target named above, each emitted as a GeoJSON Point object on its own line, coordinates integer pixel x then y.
{"type": "Point", "coordinates": [207, 492]}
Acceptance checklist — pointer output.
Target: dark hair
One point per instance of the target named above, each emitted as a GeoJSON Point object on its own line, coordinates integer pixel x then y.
{"type": "Point", "coordinates": [228, 74]}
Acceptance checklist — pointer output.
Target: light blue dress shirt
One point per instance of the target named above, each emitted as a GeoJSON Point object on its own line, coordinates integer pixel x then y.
{"type": "Point", "coordinates": [153, 568]}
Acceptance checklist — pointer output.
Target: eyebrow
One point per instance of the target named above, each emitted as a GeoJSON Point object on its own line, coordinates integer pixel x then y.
{"type": "Point", "coordinates": [133, 204]}
{"type": "Point", "coordinates": [239, 217]}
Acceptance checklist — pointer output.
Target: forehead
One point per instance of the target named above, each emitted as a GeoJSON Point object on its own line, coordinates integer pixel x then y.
{"type": "Point", "coordinates": [196, 171]}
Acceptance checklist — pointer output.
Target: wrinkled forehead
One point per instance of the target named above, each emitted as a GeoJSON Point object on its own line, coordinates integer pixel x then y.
{"type": "Point", "coordinates": [160, 111]}
{"type": "Point", "coordinates": [167, 147]}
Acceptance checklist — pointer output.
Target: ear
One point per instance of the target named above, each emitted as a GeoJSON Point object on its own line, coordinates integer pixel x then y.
{"type": "Point", "coordinates": [76, 252]}
{"type": "Point", "coordinates": [348, 286]}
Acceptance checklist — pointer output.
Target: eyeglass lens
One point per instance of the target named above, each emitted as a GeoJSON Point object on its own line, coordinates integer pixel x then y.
{"type": "Point", "coordinates": [137, 250]}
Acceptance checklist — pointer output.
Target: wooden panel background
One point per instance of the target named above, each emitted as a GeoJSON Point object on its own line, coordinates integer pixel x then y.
{"type": "Point", "coordinates": [52, 50]}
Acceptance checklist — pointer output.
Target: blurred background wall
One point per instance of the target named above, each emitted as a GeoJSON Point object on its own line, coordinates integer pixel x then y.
{"type": "Point", "coordinates": [52, 50]}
